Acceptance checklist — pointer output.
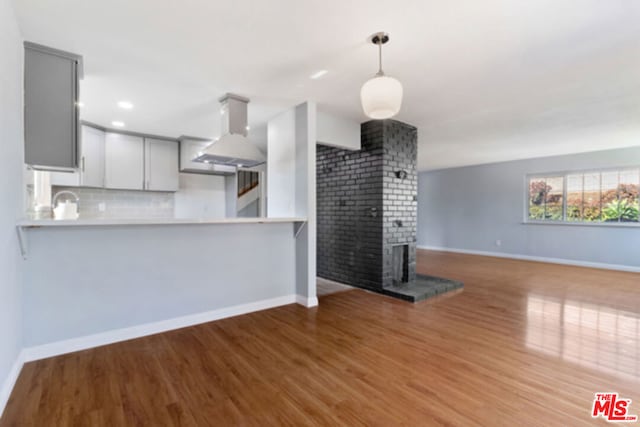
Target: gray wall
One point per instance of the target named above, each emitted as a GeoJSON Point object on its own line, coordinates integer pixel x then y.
{"type": "Point", "coordinates": [85, 280]}
{"type": "Point", "coordinates": [252, 210]}
{"type": "Point", "coordinates": [11, 158]}
{"type": "Point", "coordinates": [471, 207]}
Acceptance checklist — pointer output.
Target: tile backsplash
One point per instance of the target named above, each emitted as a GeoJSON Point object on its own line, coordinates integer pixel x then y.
{"type": "Point", "coordinates": [121, 203]}
{"type": "Point", "coordinates": [199, 196]}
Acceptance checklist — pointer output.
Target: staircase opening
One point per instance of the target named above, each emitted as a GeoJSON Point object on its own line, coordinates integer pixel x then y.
{"type": "Point", "coordinates": [247, 181]}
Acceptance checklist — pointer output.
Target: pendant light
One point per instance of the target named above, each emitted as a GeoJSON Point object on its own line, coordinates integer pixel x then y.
{"type": "Point", "coordinates": [381, 95]}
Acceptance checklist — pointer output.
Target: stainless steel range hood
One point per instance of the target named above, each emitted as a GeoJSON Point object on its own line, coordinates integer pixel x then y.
{"type": "Point", "coordinates": [232, 148]}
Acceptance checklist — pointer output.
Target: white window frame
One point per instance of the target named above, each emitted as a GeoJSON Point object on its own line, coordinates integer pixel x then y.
{"type": "Point", "coordinates": [564, 174]}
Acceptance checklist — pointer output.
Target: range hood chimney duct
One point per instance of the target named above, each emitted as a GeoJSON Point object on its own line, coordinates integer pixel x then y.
{"type": "Point", "coordinates": [232, 148]}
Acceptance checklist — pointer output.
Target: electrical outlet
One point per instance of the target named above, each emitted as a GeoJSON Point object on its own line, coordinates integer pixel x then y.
{"type": "Point", "coordinates": [498, 242]}
{"type": "Point", "coordinates": [102, 206]}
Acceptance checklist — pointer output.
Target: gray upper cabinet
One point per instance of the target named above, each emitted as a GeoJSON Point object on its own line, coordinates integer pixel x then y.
{"type": "Point", "coordinates": [92, 154]}
{"type": "Point", "coordinates": [124, 161]}
{"type": "Point", "coordinates": [66, 179]}
{"type": "Point", "coordinates": [161, 165]}
{"type": "Point", "coordinates": [91, 168]}
{"type": "Point", "coordinates": [50, 107]}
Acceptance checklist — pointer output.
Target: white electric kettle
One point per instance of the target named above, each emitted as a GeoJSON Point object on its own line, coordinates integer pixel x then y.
{"type": "Point", "coordinates": [65, 209]}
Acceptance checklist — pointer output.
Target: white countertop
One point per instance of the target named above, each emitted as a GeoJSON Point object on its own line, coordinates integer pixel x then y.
{"type": "Point", "coordinates": [149, 221]}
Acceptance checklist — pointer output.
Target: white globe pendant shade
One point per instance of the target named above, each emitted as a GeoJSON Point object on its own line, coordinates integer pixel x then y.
{"type": "Point", "coordinates": [381, 97]}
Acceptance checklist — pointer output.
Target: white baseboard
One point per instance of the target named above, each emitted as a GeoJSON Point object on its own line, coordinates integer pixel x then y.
{"type": "Point", "coordinates": [109, 337]}
{"type": "Point", "coordinates": [601, 265]}
{"type": "Point", "coordinates": [10, 381]}
{"type": "Point", "coordinates": [307, 302]}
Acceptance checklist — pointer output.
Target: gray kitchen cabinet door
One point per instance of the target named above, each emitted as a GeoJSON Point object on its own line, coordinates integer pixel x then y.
{"type": "Point", "coordinates": [50, 108]}
{"type": "Point", "coordinates": [161, 165]}
{"type": "Point", "coordinates": [92, 157]}
{"type": "Point", "coordinates": [65, 179]}
{"type": "Point", "coordinates": [124, 161]}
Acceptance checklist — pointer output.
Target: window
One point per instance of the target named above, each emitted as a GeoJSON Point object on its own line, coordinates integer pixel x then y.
{"type": "Point", "coordinates": [588, 197]}
{"type": "Point", "coordinates": [546, 198]}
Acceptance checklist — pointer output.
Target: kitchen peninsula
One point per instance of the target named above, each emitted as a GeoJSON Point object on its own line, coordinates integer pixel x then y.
{"type": "Point", "coordinates": [108, 277]}
{"type": "Point", "coordinates": [166, 224]}
{"type": "Point", "coordinates": [37, 223]}
{"type": "Point", "coordinates": [91, 282]}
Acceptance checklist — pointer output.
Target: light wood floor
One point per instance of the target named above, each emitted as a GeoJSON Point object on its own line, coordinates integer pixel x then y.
{"type": "Point", "coordinates": [524, 344]}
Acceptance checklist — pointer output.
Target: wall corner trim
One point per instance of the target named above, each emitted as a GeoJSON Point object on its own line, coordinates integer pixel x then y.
{"type": "Point", "coordinates": [577, 263]}
{"type": "Point", "coordinates": [109, 337]}
{"type": "Point", "coordinates": [10, 381]}
{"type": "Point", "coordinates": [307, 302]}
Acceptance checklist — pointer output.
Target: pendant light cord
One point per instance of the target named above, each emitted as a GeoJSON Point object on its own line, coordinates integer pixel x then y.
{"type": "Point", "coordinates": [380, 72]}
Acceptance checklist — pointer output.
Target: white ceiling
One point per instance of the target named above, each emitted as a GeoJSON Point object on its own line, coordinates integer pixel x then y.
{"type": "Point", "coordinates": [484, 81]}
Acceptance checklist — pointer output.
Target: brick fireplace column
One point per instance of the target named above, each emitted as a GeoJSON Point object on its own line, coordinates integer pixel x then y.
{"type": "Point", "coordinates": [367, 207]}
{"type": "Point", "coordinates": [399, 200]}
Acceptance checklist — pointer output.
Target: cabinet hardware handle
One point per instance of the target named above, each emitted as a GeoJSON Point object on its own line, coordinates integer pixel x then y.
{"type": "Point", "coordinates": [82, 163]}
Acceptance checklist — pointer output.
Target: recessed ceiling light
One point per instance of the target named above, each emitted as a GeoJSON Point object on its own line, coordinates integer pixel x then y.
{"type": "Point", "coordinates": [80, 104]}
{"type": "Point", "coordinates": [117, 123]}
{"type": "Point", "coordinates": [318, 74]}
{"type": "Point", "coordinates": [125, 105]}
